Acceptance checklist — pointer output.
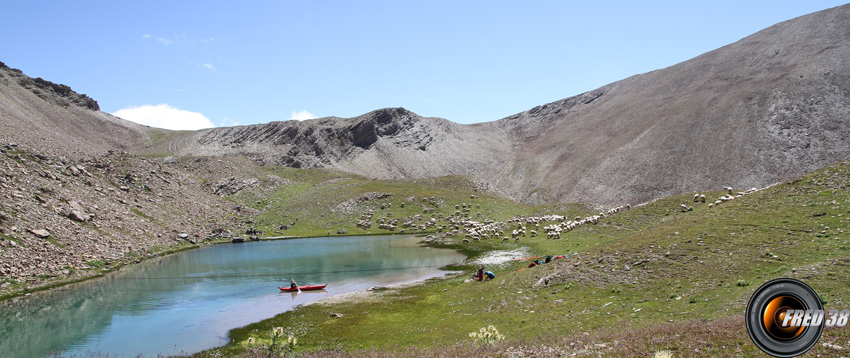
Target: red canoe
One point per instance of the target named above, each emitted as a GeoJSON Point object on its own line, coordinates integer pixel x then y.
{"type": "Point", "coordinates": [303, 288]}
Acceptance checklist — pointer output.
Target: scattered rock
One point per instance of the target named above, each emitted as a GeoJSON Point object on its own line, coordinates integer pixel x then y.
{"type": "Point", "coordinates": [337, 315]}
{"type": "Point", "coordinates": [341, 232]}
{"type": "Point", "coordinates": [230, 186]}
{"type": "Point", "coordinates": [40, 233]}
{"type": "Point", "coordinates": [183, 235]}
{"type": "Point", "coordinates": [76, 216]}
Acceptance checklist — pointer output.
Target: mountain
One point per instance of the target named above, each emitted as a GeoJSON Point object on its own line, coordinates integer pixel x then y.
{"type": "Point", "coordinates": [383, 144]}
{"type": "Point", "coordinates": [767, 108]}
{"type": "Point", "coordinates": [53, 119]}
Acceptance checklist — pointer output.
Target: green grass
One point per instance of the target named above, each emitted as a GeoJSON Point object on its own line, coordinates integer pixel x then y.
{"type": "Point", "coordinates": [653, 266]}
{"type": "Point", "coordinates": [315, 200]}
{"type": "Point", "coordinates": [141, 214]}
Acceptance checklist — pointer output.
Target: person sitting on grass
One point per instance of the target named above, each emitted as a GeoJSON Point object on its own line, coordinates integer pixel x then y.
{"type": "Point", "coordinates": [490, 275]}
{"type": "Point", "coordinates": [480, 273]}
{"type": "Point", "coordinates": [533, 263]}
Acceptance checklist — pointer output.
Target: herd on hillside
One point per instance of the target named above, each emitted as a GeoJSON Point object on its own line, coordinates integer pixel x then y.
{"type": "Point", "coordinates": [459, 224]}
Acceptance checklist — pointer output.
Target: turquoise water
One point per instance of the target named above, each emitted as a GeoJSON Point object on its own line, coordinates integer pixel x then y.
{"type": "Point", "coordinates": [187, 302]}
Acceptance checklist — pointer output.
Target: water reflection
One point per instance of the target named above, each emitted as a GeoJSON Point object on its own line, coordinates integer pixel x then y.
{"type": "Point", "coordinates": [188, 301]}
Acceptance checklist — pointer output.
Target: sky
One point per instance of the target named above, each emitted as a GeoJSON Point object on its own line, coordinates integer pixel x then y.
{"type": "Point", "coordinates": [198, 64]}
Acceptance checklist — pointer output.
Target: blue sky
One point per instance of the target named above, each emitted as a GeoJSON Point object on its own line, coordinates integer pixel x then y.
{"type": "Point", "coordinates": [192, 64]}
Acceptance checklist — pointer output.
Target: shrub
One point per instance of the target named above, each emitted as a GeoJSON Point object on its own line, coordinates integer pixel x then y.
{"type": "Point", "coordinates": [486, 335]}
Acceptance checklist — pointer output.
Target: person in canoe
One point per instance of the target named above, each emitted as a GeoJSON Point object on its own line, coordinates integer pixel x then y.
{"type": "Point", "coordinates": [293, 285]}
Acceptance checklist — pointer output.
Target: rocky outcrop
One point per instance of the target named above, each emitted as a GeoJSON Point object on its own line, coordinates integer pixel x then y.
{"type": "Point", "coordinates": [230, 186]}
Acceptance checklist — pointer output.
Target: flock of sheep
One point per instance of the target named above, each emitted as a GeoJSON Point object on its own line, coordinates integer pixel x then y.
{"type": "Point", "coordinates": [460, 223]}
{"type": "Point", "coordinates": [520, 227]}
{"type": "Point", "coordinates": [700, 198]}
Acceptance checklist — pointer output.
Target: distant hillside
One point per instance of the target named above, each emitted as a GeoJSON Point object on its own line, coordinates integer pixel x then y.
{"type": "Point", "coordinates": [53, 119]}
{"type": "Point", "coordinates": [383, 144]}
{"type": "Point", "coordinates": [767, 108]}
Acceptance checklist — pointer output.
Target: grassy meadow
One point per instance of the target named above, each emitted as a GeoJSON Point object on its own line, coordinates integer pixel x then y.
{"type": "Point", "coordinates": [657, 279]}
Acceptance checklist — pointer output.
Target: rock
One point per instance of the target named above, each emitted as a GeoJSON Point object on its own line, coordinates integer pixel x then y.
{"type": "Point", "coordinates": [336, 315]}
{"type": "Point", "coordinates": [76, 216]}
{"type": "Point", "coordinates": [230, 186]}
{"type": "Point", "coordinates": [364, 134]}
{"type": "Point", "coordinates": [40, 233]}
{"type": "Point", "coordinates": [124, 188]}
{"type": "Point", "coordinates": [341, 232]}
{"type": "Point", "coordinates": [183, 236]}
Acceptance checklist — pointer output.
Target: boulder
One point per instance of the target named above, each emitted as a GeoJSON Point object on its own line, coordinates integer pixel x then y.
{"type": "Point", "coordinates": [40, 233]}
{"type": "Point", "coordinates": [76, 215]}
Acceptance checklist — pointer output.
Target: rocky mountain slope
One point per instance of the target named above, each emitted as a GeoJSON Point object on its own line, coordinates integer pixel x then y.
{"type": "Point", "coordinates": [766, 108]}
{"type": "Point", "coordinates": [53, 119]}
{"type": "Point", "coordinates": [59, 217]}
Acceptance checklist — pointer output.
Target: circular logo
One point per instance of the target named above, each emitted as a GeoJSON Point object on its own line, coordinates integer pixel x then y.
{"type": "Point", "coordinates": [779, 318]}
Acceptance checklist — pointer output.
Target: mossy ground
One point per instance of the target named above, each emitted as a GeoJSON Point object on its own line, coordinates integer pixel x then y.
{"type": "Point", "coordinates": [649, 279]}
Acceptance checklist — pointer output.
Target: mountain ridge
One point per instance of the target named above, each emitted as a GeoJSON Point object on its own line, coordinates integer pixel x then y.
{"type": "Point", "coordinates": [769, 107]}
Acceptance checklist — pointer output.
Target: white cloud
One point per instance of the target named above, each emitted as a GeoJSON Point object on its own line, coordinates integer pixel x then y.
{"type": "Point", "coordinates": [209, 66]}
{"type": "Point", "coordinates": [146, 36]}
{"type": "Point", "coordinates": [165, 116]}
{"type": "Point", "coordinates": [173, 39]}
{"type": "Point", "coordinates": [303, 115]}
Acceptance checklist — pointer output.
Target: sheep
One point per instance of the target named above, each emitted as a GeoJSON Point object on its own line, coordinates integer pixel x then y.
{"type": "Point", "coordinates": [505, 239]}
{"type": "Point", "coordinates": [702, 198]}
{"type": "Point", "coordinates": [696, 198]}
{"type": "Point", "coordinates": [465, 241]}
